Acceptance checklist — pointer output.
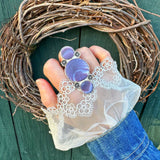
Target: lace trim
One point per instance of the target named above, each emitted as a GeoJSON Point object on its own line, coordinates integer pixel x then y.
{"type": "Point", "coordinates": [85, 107]}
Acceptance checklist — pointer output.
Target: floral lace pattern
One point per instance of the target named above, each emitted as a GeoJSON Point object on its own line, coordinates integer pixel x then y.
{"type": "Point", "coordinates": [79, 117]}
{"type": "Point", "coordinates": [85, 107]}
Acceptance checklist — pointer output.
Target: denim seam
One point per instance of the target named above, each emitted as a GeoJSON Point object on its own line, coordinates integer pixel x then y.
{"type": "Point", "coordinates": [143, 150]}
{"type": "Point", "coordinates": [136, 148]}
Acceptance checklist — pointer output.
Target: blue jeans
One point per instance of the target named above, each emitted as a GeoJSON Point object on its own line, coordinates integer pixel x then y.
{"type": "Point", "coordinates": [126, 141]}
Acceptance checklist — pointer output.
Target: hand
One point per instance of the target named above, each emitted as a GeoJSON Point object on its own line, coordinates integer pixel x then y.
{"type": "Point", "coordinates": [74, 117]}
{"type": "Point", "coordinates": [55, 73]}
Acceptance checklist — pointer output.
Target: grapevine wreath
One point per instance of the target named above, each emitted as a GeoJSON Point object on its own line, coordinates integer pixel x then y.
{"type": "Point", "coordinates": [133, 35]}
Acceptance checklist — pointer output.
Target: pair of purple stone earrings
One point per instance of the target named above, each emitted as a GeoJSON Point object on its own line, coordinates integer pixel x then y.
{"type": "Point", "coordinates": [76, 69]}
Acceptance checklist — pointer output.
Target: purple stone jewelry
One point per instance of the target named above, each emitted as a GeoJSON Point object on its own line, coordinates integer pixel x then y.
{"type": "Point", "coordinates": [76, 69]}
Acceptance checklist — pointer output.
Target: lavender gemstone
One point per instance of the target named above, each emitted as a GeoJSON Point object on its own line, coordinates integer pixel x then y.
{"type": "Point", "coordinates": [87, 87]}
{"type": "Point", "coordinates": [67, 52]}
{"type": "Point", "coordinates": [77, 69]}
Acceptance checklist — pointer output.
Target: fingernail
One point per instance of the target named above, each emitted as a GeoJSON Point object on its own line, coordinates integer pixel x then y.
{"type": "Point", "coordinates": [38, 82]}
{"type": "Point", "coordinates": [40, 85]}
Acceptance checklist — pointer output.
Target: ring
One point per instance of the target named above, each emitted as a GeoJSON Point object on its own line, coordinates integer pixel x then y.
{"type": "Point", "coordinates": [76, 69]}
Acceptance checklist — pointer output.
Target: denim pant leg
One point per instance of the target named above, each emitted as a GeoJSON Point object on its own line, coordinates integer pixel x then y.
{"type": "Point", "coordinates": [126, 141]}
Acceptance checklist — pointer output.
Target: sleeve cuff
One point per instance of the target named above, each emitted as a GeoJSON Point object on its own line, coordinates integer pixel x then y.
{"type": "Point", "coordinates": [127, 140]}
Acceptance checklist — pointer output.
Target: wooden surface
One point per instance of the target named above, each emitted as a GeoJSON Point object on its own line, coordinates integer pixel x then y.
{"type": "Point", "coordinates": [23, 138]}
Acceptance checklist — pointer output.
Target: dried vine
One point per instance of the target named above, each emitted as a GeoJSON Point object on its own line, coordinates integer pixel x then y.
{"type": "Point", "coordinates": [136, 41]}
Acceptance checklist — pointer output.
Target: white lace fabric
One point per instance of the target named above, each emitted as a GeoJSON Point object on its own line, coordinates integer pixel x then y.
{"type": "Point", "coordinates": [78, 117]}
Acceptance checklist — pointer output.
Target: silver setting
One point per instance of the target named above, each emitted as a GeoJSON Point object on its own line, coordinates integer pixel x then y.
{"type": "Point", "coordinates": [64, 62]}
{"type": "Point", "coordinates": [77, 54]}
{"type": "Point", "coordinates": [77, 85]}
{"type": "Point", "coordinates": [90, 76]}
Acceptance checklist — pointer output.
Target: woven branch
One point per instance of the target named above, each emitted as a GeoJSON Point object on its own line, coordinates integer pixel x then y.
{"type": "Point", "coordinates": [133, 35]}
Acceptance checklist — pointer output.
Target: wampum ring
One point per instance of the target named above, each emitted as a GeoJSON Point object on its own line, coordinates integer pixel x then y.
{"type": "Point", "coordinates": [76, 69]}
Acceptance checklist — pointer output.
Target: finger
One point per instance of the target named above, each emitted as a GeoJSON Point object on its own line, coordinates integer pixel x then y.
{"type": "Point", "coordinates": [54, 72]}
{"type": "Point", "coordinates": [86, 55]}
{"type": "Point", "coordinates": [48, 96]}
{"type": "Point", "coordinates": [99, 52]}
